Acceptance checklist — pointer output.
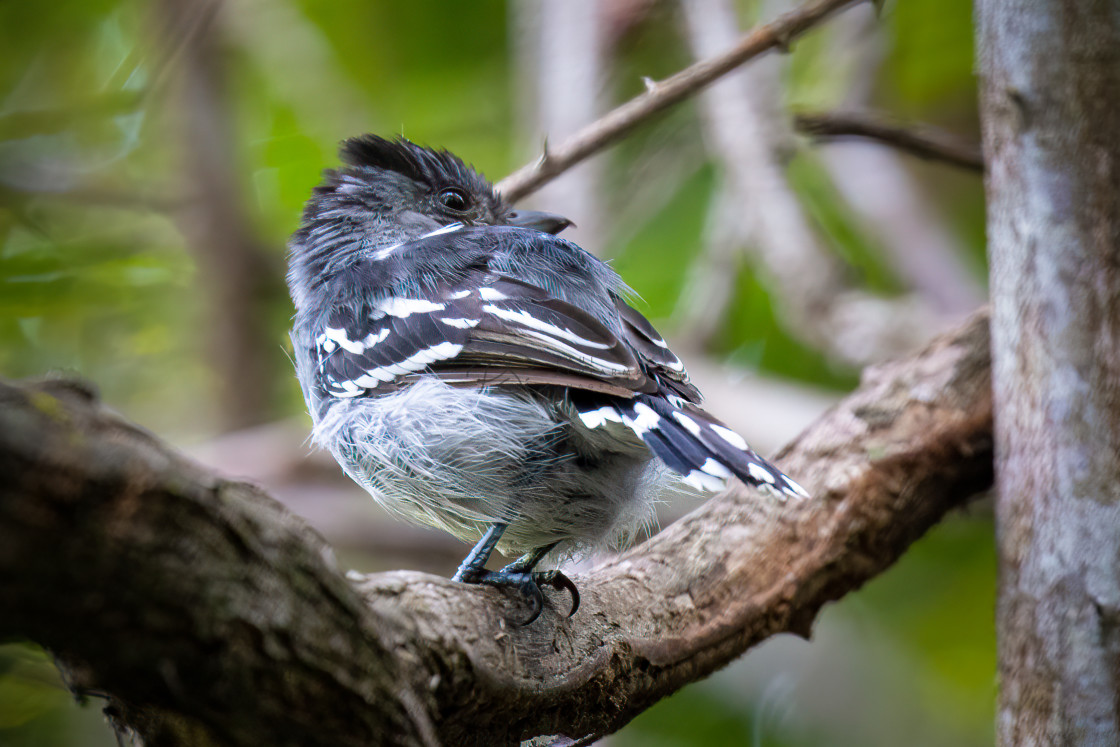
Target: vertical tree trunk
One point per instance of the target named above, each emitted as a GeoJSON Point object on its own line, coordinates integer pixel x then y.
{"type": "Point", "coordinates": [238, 277]}
{"type": "Point", "coordinates": [1050, 103]}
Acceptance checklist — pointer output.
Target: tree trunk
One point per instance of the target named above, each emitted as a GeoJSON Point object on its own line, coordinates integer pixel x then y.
{"type": "Point", "coordinates": [1050, 103]}
{"type": "Point", "coordinates": [240, 278]}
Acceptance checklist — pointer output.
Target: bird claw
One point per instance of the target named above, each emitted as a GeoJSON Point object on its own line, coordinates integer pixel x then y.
{"type": "Point", "coordinates": [529, 584]}
{"type": "Point", "coordinates": [559, 581]}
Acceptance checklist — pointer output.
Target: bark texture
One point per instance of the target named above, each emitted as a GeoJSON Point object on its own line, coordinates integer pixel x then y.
{"type": "Point", "coordinates": [209, 615]}
{"type": "Point", "coordinates": [1051, 111]}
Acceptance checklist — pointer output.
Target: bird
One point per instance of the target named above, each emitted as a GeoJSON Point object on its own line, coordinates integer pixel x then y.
{"type": "Point", "coordinates": [476, 372]}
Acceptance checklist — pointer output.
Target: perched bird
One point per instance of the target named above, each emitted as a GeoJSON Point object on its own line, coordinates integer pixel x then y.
{"type": "Point", "coordinates": [475, 372]}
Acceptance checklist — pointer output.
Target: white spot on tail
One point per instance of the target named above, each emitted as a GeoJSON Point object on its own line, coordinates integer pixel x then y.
{"type": "Point", "coordinates": [792, 488]}
{"type": "Point", "coordinates": [703, 481]}
{"type": "Point", "coordinates": [676, 401]}
{"type": "Point", "coordinates": [689, 424]}
{"type": "Point", "coordinates": [715, 469]}
{"type": "Point", "coordinates": [760, 473]}
{"type": "Point", "coordinates": [730, 437]}
{"type": "Point", "coordinates": [645, 421]}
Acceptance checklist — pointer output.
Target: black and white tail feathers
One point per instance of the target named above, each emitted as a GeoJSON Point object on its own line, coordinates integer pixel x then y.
{"type": "Point", "coordinates": [704, 451]}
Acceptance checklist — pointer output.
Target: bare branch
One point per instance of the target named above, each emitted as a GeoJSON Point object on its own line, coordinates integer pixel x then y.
{"type": "Point", "coordinates": [202, 607]}
{"type": "Point", "coordinates": [662, 94]}
{"type": "Point", "coordinates": [923, 141]}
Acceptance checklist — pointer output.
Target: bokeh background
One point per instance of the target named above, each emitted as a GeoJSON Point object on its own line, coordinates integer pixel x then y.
{"type": "Point", "coordinates": [154, 156]}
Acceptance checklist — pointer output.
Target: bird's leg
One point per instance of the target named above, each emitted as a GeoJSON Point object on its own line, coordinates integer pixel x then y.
{"type": "Point", "coordinates": [519, 574]}
{"type": "Point", "coordinates": [529, 560]}
{"type": "Point", "coordinates": [473, 566]}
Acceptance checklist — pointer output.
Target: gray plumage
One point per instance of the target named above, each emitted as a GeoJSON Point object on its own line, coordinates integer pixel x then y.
{"type": "Point", "coordinates": [469, 371]}
{"type": "Point", "coordinates": [461, 459]}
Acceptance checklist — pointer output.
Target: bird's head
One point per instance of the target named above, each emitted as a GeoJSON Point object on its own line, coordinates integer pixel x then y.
{"type": "Point", "coordinates": [421, 189]}
{"type": "Point", "coordinates": [393, 191]}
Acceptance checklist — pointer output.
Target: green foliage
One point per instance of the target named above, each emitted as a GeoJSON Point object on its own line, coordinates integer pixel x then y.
{"type": "Point", "coordinates": [938, 604]}
{"type": "Point", "coordinates": [655, 260]}
{"type": "Point", "coordinates": [753, 337]}
{"type": "Point", "coordinates": [36, 710]}
{"type": "Point", "coordinates": [930, 61]}
{"type": "Point", "coordinates": [694, 717]}
{"type": "Point", "coordinates": [826, 206]}
{"type": "Point", "coordinates": [28, 686]}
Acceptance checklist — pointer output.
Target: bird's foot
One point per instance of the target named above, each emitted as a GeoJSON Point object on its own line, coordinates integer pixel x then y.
{"type": "Point", "coordinates": [528, 583]}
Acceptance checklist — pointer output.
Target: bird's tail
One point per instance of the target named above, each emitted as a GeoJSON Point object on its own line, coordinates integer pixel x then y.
{"type": "Point", "coordinates": [694, 444]}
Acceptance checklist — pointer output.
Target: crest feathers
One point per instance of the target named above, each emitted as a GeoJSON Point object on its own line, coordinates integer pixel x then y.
{"type": "Point", "coordinates": [434, 167]}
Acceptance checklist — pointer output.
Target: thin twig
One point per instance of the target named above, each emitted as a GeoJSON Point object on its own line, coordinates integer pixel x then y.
{"type": "Point", "coordinates": [924, 141]}
{"type": "Point", "coordinates": [662, 94]}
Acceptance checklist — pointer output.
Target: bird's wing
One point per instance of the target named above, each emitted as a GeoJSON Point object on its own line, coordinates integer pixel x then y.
{"type": "Point", "coordinates": [476, 324]}
{"type": "Point", "coordinates": [656, 358]}
{"type": "Point", "coordinates": [486, 329]}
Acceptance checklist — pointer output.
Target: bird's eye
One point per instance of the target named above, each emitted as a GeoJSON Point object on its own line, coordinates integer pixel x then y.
{"type": "Point", "coordinates": [455, 199]}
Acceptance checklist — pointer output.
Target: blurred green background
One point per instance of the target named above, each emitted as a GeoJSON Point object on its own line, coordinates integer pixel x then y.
{"type": "Point", "coordinates": [154, 156]}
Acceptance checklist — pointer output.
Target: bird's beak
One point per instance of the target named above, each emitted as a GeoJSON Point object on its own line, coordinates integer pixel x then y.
{"type": "Point", "coordinates": [539, 220]}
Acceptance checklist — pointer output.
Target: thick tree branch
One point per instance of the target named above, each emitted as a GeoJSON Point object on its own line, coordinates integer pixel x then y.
{"type": "Point", "coordinates": [660, 95]}
{"type": "Point", "coordinates": [924, 142]}
{"type": "Point", "coordinates": [205, 609]}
